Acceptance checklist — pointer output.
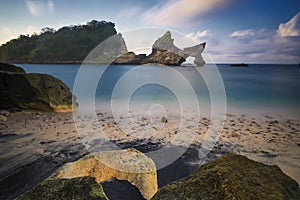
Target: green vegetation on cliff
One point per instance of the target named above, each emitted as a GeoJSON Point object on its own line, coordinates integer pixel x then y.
{"type": "Point", "coordinates": [67, 44]}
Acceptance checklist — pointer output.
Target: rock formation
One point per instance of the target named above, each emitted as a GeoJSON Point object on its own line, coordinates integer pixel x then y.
{"type": "Point", "coordinates": [130, 58]}
{"type": "Point", "coordinates": [166, 53]}
{"type": "Point", "coordinates": [75, 188]}
{"type": "Point", "coordinates": [129, 164]}
{"type": "Point", "coordinates": [232, 177]}
{"type": "Point", "coordinates": [20, 90]}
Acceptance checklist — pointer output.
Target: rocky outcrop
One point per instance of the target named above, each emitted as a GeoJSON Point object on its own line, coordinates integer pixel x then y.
{"type": "Point", "coordinates": [232, 177]}
{"type": "Point", "coordinates": [163, 57]}
{"type": "Point", "coordinates": [130, 58]}
{"type": "Point", "coordinates": [10, 68]}
{"type": "Point", "coordinates": [34, 91]}
{"type": "Point", "coordinates": [166, 53]}
{"type": "Point", "coordinates": [75, 188]}
{"type": "Point", "coordinates": [129, 164]}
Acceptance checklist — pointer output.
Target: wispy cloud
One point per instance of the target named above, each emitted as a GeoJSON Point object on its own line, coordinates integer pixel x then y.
{"type": "Point", "coordinates": [200, 35]}
{"type": "Point", "coordinates": [39, 8]}
{"type": "Point", "coordinates": [180, 12]}
{"type": "Point", "coordinates": [242, 34]}
{"type": "Point", "coordinates": [290, 28]}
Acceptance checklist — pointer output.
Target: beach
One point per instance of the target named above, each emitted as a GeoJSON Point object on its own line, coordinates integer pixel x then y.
{"type": "Point", "coordinates": [35, 144]}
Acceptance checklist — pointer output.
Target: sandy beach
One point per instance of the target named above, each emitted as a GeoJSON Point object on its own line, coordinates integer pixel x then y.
{"type": "Point", "coordinates": [35, 144]}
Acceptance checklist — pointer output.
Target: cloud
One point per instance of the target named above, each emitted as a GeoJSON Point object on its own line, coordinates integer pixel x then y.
{"type": "Point", "coordinates": [242, 34]}
{"type": "Point", "coordinates": [39, 8]}
{"type": "Point", "coordinates": [129, 12]}
{"type": "Point", "coordinates": [180, 12]}
{"type": "Point", "coordinates": [200, 35]}
{"type": "Point", "coordinates": [290, 28]}
{"type": "Point", "coordinates": [262, 46]}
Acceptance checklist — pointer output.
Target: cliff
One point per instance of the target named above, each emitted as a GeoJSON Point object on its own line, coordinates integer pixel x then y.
{"type": "Point", "coordinates": [232, 177]}
{"type": "Point", "coordinates": [43, 92]}
{"type": "Point", "coordinates": [69, 44]}
{"type": "Point", "coordinates": [130, 165]}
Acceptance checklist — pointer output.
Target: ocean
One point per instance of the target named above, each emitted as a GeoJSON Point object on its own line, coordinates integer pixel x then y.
{"type": "Point", "coordinates": [260, 89]}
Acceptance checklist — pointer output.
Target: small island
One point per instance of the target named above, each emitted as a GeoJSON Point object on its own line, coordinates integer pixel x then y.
{"type": "Point", "coordinates": [239, 65]}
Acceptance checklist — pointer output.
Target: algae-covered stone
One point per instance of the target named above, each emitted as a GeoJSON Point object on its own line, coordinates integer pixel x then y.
{"type": "Point", "coordinates": [232, 177]}
{"type": "Point", "coordinates": [129, 164]}
{"type": "Point", "coordinates": [75, 188]}
{"type": "Point", "coordinates": [34, 92]}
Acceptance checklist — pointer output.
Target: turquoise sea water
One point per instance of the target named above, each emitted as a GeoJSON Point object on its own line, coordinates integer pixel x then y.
{"type": "Point", "coordinates": [260, 88]}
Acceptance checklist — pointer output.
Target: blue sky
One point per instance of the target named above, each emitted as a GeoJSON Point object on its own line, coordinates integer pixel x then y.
{"type": "Point", "coordinates": [253, 31]}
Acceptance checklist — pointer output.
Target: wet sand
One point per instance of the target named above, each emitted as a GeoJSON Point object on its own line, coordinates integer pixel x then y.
{"type": "Point", "coordinates": [35, 144]}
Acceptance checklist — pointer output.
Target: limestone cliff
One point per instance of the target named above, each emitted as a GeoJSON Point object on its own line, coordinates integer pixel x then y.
{"type": "Point", "coordinates": [164, 52]}
{"type": "Point", "coordinates": [232, 177]}
{"type": "Point", "coordinates": [34, 91]}
{"type": "Point", "coordinates": [129, 164]}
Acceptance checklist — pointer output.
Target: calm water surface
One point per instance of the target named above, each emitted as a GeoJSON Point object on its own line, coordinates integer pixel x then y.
{"type": "Point", "coordinates": [260, 88]}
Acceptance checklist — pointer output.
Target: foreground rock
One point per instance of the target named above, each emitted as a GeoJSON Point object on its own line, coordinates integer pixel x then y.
{"type": "Point", "coordinates": [10, 68]}
{"type": "Point", "coordinates": [130, 165]}
{"type": "Point", "coordinates": [33, 91]}
{"type": "Point", "coordinates": [232, 177]}
{"type": "Point", "coordinates": [76, 188]}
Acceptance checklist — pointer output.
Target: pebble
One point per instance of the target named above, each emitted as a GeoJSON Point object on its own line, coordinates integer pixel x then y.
{"type": "Point", "coordinates": [4, 112]}
{"type": "Point", "coordinates": [3, 118]}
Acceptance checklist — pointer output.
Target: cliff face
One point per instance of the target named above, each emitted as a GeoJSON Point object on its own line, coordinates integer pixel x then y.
{"type": "Point", "coordinates": [130, 165]}
{"type": "Point", "coordinates": [34, 92]}
{"type": "Point", "coordinates": [232, 177]}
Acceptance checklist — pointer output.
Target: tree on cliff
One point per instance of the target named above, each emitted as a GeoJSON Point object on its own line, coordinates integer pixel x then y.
{"type": "Point", "coordinates": [67, 44]}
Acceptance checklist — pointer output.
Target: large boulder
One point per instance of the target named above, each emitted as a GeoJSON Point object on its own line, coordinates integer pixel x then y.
{"type": "Point", "coordinates": [35, 92]}
{"type": "Point", "coordinates": [130, 165]}
{"type": "Point", "coordinates": [75, 188]}
{"type": "Point", "coordinates": [232, 177]}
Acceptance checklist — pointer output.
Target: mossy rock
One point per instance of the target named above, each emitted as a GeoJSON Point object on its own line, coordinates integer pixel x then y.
{"type": "Point", "coordinates": [75, 188]}
{"type": "Point", "coordinates": [34, 92]}
{"type": "Point", "coordinates": [232, 177]}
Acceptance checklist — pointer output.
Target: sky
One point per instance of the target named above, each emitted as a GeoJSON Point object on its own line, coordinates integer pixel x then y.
{"type": "Point", "coordinates": [252, 31]}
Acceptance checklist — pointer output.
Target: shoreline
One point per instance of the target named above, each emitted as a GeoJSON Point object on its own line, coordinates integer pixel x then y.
{"type": "Point", "coordinates": [45, 141]}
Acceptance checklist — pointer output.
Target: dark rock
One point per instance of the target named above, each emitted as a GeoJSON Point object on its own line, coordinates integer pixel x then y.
{"type": "Point", "coordinates": [121, 190]}
{"type": "Point", "coordinates": [75, 188]}
{"type": "Point", "coordinates": [11, 68]}
{"type": "Point", "coordinates": [35, 92]}
{"type": "Point", "coordinates": [232, 177]}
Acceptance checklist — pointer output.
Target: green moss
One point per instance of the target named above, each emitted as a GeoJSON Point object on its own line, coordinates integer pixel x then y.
{"type": "Point", "coordinates": [76, 188]}
{"type": "Point", "coordinates": [233, 177]}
